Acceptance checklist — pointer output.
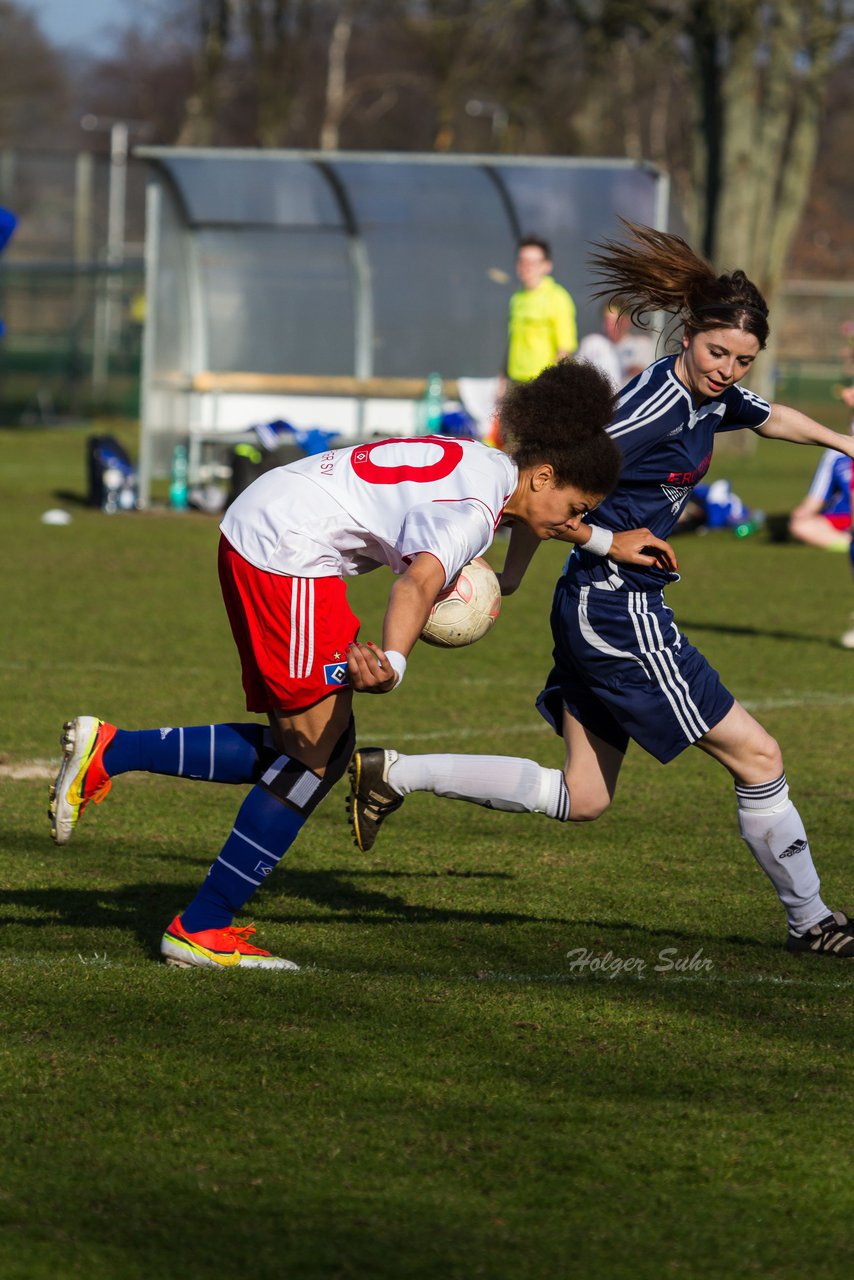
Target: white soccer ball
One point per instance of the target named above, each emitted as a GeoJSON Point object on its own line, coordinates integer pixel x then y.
{"type": "Point", "coordinates": [465, 610]}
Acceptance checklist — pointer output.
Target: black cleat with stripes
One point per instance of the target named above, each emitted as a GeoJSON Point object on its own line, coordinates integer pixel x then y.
{"type": "Point", "coordinates": [833, 936]}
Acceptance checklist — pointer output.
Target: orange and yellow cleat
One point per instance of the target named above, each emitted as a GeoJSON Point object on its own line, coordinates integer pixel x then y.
{"type": "Point", "coordinates": [82, 777]}
{"type": "Point", "coordinates": [217, 949]}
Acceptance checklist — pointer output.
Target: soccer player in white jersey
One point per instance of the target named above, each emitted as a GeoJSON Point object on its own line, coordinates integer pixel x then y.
{"type": "Point", "coordinates": [622, 670]}
{"type": "Point", "coordinates": [421, 507]}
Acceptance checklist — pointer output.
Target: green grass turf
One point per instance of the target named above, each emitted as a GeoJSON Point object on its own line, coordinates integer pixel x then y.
{"type": "Point", "coordinates": [439, 1092]}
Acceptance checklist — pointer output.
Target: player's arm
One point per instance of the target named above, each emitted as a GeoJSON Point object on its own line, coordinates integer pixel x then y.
{"type": "Point", "coordinates": [785, 423]}
{"type": "Point", "coordinates": [375, 670]}
{"type": "Point", "coordinates": [520, 550]}
{"type": "Point", "coordinates": [630, 546]}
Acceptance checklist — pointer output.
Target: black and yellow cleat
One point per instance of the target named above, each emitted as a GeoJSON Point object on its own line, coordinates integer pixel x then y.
{"type": "Point", "coordinates": [372, 797]}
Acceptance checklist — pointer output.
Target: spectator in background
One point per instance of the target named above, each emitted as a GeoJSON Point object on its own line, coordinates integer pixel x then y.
{"type": "Point", "coordinates": [635, 349]}
{"type": "Point", "coordinates": [823, 518]}
{"type": "Point", "coordinates": [8, 222]}
{"type": "Point", "coordinates": [619, 350]}
{"type": "Point", "coordinates": [847, 394]}
{"type": "Point", "coordinates": [542, 327]}
{"type": "Point", "coordinates": [601, 348]}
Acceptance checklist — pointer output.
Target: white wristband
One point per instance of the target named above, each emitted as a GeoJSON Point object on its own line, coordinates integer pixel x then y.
{"type": "Point", "coordinates": [599, 542]}
{"type": "Point", "coordinates": [398, 662]}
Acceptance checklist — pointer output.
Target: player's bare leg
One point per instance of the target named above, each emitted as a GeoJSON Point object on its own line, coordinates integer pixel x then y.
{"type": "Point", "coordinates": [311, 734]}
{"type": "Point", "coordinates": [591, 772]}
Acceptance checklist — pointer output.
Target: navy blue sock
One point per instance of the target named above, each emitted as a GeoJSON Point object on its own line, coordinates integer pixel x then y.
{"type": "Point", "coordinates": [210, 752]}
{"type": "Point", "coordinates": [263, 831]}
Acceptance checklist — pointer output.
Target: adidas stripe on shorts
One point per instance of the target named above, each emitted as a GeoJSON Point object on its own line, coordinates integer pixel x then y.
{"type": "Point", "coordinates": [624, 671]}
{"type": "Point", "coordinates": [291, 633]}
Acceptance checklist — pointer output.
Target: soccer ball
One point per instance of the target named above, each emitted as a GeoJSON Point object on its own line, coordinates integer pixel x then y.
{"type": "Point", "coordinates": [465, 610]}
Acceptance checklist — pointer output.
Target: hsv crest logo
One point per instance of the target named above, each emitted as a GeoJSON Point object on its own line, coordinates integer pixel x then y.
{"type": "Point", "coordinates": [675, 495]}
{"type": "Point", "coordinates": [263, 869]}
{"type": "Point", "coordinates": [335, 673]}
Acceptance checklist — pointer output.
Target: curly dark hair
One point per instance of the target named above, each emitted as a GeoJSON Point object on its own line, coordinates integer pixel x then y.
{"type": "Point", "coordinates": [560, 417]}
{"type": "Point", "coordinates": [658, 271]}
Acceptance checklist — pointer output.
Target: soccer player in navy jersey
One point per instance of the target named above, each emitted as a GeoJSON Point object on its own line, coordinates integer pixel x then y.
{"type": "Point", "coordinates": [622, 670]}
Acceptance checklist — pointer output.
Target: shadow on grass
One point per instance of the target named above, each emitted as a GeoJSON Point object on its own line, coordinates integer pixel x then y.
{"type": "Point", "coordinates": [71, 498]}
{"type": "Point", "coordinates": [728, 629]}
{"type": "Point", "coordinates": [145, 909]}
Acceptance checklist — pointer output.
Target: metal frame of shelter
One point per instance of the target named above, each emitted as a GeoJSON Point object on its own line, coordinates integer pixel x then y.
{"type": "Point", "coordinates": [321, 287]}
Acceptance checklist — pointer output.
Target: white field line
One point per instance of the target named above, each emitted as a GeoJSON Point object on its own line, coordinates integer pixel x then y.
{"type": "Point", "coordinates": [27, 770]}
{"type": "Point", "coordinates": [97, 961]}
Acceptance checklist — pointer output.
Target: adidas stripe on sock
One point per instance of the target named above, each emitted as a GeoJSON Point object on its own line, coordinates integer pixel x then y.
{"type": "Point", "coordinates": [772, 829]}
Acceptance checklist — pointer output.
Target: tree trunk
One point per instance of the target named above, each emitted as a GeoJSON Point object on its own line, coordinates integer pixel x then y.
{"type": "Point", "coordinates": [760, 75]}
{"type": "Point", "coordinates": [278, 33]}
{"type": "Point", "coordinates": [336, 81]}
{"type": "Point", "coordinates": [199, 127]}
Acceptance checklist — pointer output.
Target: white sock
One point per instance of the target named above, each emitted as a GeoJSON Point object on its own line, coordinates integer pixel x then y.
{"type": "Point", "coordinates": [772, 829]}
{"type": "Point", "coordinates": [496, 782]}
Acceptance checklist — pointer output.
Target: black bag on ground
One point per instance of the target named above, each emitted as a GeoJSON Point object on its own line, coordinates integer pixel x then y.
{"type": "Point", "coordinates": [249, 462]}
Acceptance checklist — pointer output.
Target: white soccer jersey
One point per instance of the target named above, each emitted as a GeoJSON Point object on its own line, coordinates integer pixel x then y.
{"type": "Point", "coordinates": [601, 351]}
{"type": "Point", "coordinates": [348, 511]}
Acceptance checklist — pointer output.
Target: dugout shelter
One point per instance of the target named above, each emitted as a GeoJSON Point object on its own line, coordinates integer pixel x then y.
{"type": "Point", "coordinates": [322, 287]}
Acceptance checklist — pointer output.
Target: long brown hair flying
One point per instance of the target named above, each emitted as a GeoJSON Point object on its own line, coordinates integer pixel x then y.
{"type": "Point", "coordinates": [658, 271]}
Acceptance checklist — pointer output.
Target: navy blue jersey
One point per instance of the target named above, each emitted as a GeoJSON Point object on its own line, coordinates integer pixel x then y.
{"type": "Point", "coordinates": [667, 442]}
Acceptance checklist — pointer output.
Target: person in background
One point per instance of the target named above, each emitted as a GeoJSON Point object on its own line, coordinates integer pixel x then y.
{"type": "Point", "coordinates": [635, 349]}
{"type": "Point", "coordinates": [847, 395]}
{"type": "Point", "coordinates": [823, 518]}
{"type": "Point", "coordinates": [542, 326]}
{"type": "Point", "coordinates": [8, 223]}
{"type": "Point", "coordinates": [619, 350]}
{"type": "Point", "coordinates": [601, 348]}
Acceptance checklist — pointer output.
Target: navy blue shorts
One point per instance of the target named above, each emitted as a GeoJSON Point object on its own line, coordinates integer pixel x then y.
{"type": "Point", "coordinates": [624, 671]}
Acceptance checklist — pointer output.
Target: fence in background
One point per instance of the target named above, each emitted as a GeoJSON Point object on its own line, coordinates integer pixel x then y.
{"type": "Point", "coordinates": [71, 292]}
{"type": "Point", "coordinates": [71, 280]}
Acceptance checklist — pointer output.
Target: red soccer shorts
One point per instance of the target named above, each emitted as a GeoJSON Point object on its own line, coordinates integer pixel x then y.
{"type": "Point", "coordinates": [291, 633]}
{"type": "Point", "coordinates": [839, 520]}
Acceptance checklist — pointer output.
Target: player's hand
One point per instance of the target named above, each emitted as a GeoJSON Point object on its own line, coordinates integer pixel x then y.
{"type": "Point", "coordinates": [369, 669]}
{"type": "Point", "coordinates": [639, 546]}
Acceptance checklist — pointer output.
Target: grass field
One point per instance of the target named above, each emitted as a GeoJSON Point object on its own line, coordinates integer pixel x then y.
{"type": "Point", "coordinates": [443, 1090]}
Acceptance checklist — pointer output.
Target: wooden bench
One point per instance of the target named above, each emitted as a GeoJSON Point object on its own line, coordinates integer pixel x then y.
{"type": "Point", "coordinates": [285, 384]}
